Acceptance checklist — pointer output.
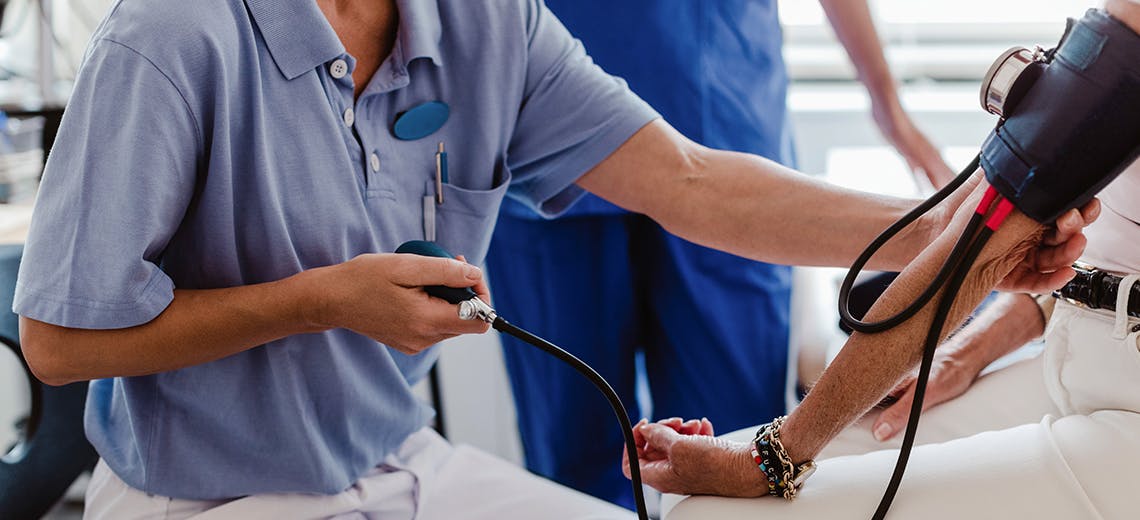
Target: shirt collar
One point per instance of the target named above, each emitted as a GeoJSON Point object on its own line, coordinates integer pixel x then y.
{"type": "Point", "coordinates": [300, 38]}
{"type": "Point", "coordinates": [420, 30]}
{"type": "Point", "coordinates": [297, 34]}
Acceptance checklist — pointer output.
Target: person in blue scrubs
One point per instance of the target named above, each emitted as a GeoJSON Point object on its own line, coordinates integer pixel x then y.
{"type": "Point", "coordinates": [611, 286]}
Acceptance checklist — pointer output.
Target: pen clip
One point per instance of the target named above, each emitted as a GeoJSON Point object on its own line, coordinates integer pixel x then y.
{"type": "Point", "coordinates": [440, 173]}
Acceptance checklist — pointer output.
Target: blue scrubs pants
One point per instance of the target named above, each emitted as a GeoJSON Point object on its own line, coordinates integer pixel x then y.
{"type": "Point", "coordinates": [713, 329]}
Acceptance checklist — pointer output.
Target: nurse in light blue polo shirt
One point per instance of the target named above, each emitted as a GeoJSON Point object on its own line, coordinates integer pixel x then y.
{"type": "Point", "coordinates": [217, 144]}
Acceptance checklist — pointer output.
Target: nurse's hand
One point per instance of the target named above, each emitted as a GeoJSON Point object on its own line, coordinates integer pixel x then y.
{"type": "Point", "coordinates": [684, 458]}
{"type": "Point", "coordinates": [382, 296]}
{"type": "Point", "coordinates": [1045, 265]}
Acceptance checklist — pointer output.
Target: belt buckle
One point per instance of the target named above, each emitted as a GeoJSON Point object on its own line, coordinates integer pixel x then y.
{"type": "Point", "coordinates": [1070, 301]}
{"type": "Point", "coordinates": [1083, 270]}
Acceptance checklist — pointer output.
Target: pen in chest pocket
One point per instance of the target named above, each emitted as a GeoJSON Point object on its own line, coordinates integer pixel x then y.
{"type": "Point", "coordinates": [440, 173]}
{"type": "Point", "coordinates": [429, 201]}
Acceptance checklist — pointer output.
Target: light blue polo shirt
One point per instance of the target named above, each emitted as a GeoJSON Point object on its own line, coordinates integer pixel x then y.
{"type": "Point", "coordinates": [216, 143]}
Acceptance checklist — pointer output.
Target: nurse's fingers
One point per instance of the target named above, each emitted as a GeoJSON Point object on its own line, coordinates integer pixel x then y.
{"type": "Point", "coordinates": [440, 317]}
{"type": "Point", "coordinates": [420, 271]}
{"type": "Point", "coordinates": [482, 290]}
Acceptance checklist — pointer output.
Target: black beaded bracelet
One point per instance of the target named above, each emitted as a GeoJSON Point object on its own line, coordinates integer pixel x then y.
{"type": "Point", "coordinates": [784, 478]}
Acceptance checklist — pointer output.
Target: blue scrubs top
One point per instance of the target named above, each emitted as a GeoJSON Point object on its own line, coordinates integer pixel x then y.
{"type": "Point", "coordinates": [713, 69]}
{"type": "Point", "coordinates": [216, 143]}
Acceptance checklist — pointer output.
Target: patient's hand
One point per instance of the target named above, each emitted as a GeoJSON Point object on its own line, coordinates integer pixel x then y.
{"type": "Point", "coordinates": [1045, 253]}
{"type": "Point", "coordinates": [1045, 263]}
{"type": "Point", "coordinates": [684, 458]}
{"type": "Point", "coordinates": [1006, 324]}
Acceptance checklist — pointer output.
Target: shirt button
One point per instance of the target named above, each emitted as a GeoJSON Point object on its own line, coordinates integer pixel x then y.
{"type": "Point", "coordinates": [338, 69]}
{"type": "Point", "coordinates": [349, 117]}
{"type": "Point", "coordinates": [374, 161]}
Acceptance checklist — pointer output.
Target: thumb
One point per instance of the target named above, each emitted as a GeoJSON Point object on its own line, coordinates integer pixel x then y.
{"type": "Point", "coordinates": [419, 271]}
{"type": "Point", "coordinates": [894, 417]}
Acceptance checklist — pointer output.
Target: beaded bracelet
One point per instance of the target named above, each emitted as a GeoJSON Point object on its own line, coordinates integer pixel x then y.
{"type": "Point", "coordinates": [784, 477]}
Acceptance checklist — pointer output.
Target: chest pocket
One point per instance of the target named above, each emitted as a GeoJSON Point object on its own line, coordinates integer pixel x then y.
{"type": "Point", "coordinates": [466, 218]}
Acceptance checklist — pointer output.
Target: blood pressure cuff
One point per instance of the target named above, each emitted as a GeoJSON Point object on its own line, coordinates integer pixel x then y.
{"type": "Point", "coordinates": [1078, 125]}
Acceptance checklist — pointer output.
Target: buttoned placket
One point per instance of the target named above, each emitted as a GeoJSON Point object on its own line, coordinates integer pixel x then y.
{"type": "Point", "coordinates": [373, 137]}
{"type": "Point", "coordinates": [365, 149]}
{"type": "Point", "coordinates": [340, 85]}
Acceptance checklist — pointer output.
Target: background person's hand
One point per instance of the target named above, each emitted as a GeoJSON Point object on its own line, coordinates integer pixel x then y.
{"type": "Point", "coordinates": [381, 296]}
{"type": "Point", "coordinates": [921, 155]}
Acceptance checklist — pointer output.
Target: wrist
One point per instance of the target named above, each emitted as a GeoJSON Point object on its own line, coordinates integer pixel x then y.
{"type": "Point", "coordinates": [969, 351]}
{"type": "Point", "coordinates": [752, 482]}
{"type": "Point", "coordinates": [886, 107]}
{"type": "Point", "coordinates": [314, 303]}
{"type": "Point", "coordinates": [783, 474]}
{"type": "Point", "coordinates": [911, 241]}
{"type": "Point", "coordinates": [923, 233]}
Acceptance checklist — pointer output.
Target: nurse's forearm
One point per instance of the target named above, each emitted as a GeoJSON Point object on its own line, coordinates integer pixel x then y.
{"type": "Point", "coordinates": [380, 296]}
{"type": "Point", "coordinates": [747, 205]}
{"type": "Point", "coordinates": [197, 327]}
{"type": "Point", "coordinates": [870, 365]}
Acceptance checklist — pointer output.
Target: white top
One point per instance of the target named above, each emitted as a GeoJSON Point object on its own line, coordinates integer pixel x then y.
{"type": "Point", "coordinates": [1114, 239]}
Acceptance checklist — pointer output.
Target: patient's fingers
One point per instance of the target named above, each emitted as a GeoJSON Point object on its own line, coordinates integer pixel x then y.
{"type": "Point", "coordinates": [1046, 283]}
{"type": "Point", "coordinates": [1051, 259]}
{"type": "Point", "coordinates": [706, 427]}
{"type": "Point", "coordinates": [1072, 222]}
{"type": "Point", "coordinates": [1091, 211]}
{"type": "Point", "coordinates": [672, 422]}
{"type": "Point", "coordinates": [690, 427]}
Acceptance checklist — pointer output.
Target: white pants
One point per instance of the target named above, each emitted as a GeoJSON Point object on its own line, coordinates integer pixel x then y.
{"type": "Point", "coordinates": [1054, 437]}
{"type": "Point", "coordinates": [426, 479]}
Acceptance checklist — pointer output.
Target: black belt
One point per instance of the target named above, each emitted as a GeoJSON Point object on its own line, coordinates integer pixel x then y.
{"type": "Point", "coordinates": [1097, 289]}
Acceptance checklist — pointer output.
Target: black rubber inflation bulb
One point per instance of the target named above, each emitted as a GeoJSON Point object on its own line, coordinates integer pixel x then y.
{"type": "Point", "coordinates": [424, 248]}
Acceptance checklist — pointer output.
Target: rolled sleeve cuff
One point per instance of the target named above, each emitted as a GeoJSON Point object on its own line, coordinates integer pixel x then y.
{"type": "Point", "coordinates": [86, 314]}
{"type": "Point", "coordinates": [554, 194]}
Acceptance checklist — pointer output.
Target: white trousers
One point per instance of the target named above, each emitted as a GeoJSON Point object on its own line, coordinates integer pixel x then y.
{"type": "Point", "coordinates": [1054, 437]}
{"type": "Point", "coordinates": [426, 479]}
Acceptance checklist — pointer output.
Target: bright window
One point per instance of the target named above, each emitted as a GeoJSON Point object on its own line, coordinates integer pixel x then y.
{"type": "Point", "coordinates": [927, 39]}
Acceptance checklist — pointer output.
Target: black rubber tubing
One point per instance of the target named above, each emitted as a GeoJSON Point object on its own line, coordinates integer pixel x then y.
{"type": "Point", "coordinates": [506, 327]}
{"type": "Point", "coordinates": [932, 339]}
{"type": "Point", "coordinates": [881, 240]}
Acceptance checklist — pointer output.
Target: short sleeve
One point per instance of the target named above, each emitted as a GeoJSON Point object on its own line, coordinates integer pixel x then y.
{"type": "Point", "coordinates": [573, 115]}
{"type": "Point", "coordinates": [115, 188]}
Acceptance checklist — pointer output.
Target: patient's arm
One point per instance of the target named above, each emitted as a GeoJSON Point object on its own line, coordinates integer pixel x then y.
{"type": "Point", "coordinates": [870, 365]}
{"type": "Point", "coordinates": [864, 372]}
{"type": "Point", "coordinates": [1005, 325]}
{"type": "Point", "coordinates": [677, 461]}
